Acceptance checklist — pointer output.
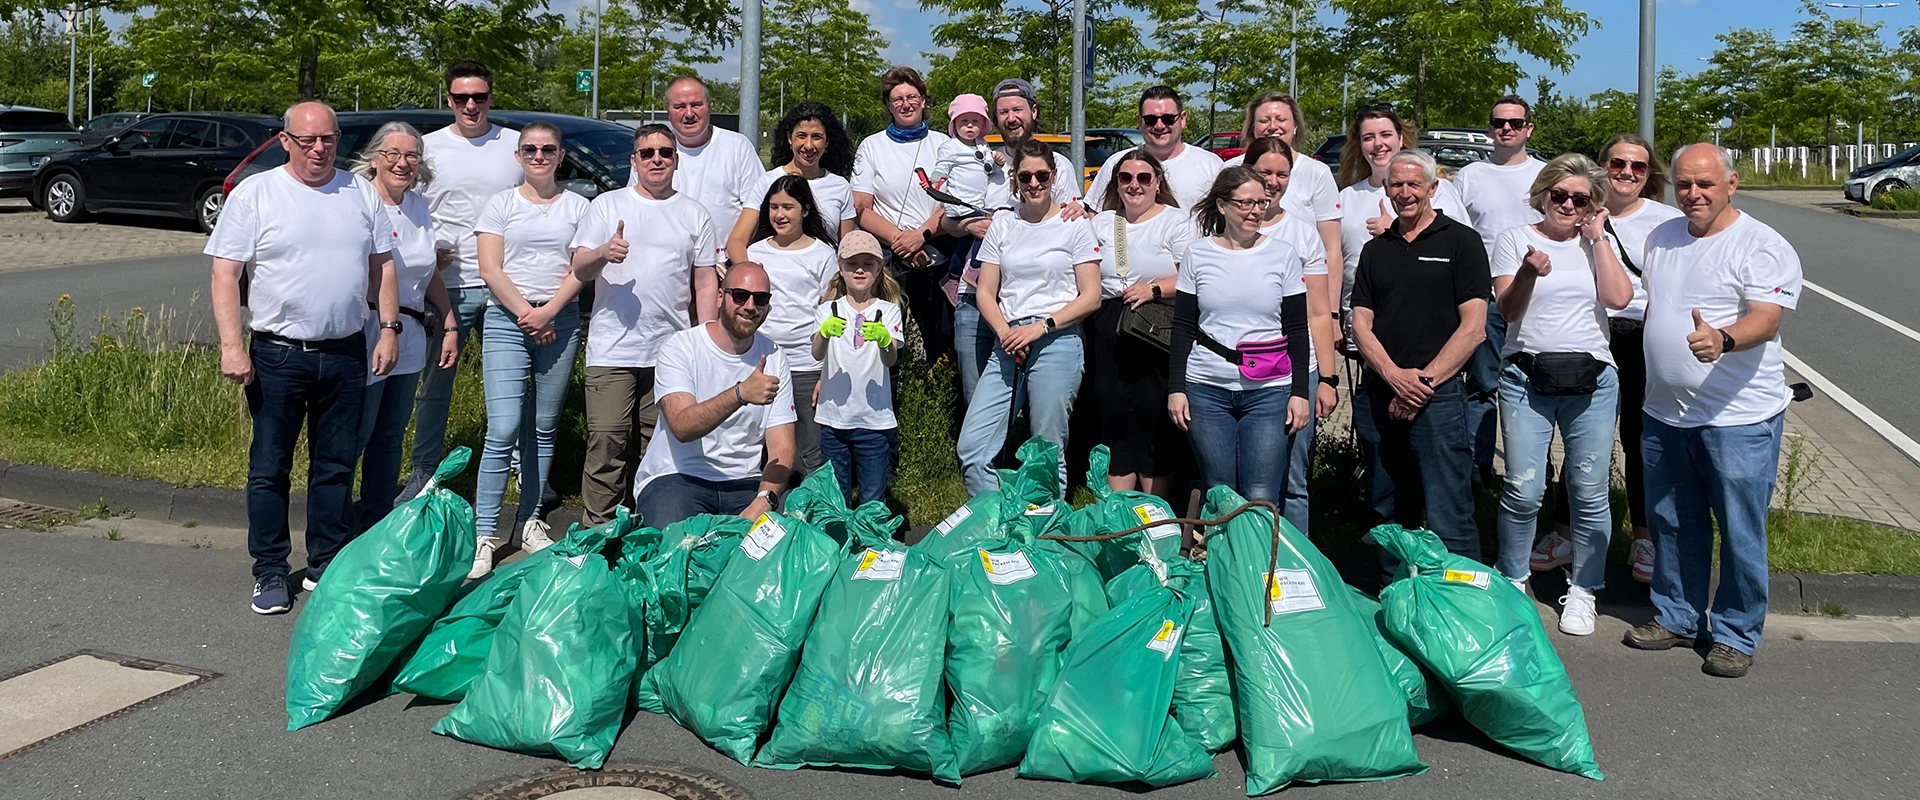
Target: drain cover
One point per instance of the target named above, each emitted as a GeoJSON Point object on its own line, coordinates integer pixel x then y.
{"type": "Point", "coordinates": [613, 782]}
{"type": "Point", "coordinates": [15, 514]}
{"type": "Point", "coordinates": [50, 700]}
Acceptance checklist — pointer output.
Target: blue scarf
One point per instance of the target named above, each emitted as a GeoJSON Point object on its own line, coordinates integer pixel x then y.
{"type": "Point", "coordinates": [905, 135]}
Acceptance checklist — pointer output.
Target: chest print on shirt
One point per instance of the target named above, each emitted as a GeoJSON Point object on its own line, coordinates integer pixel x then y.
{"type": "Point", "coordinates": [1436, 259]}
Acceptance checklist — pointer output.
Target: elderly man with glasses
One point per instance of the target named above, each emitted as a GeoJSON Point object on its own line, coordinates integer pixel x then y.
{"type": "Point", "coordinates": [1190, 170]}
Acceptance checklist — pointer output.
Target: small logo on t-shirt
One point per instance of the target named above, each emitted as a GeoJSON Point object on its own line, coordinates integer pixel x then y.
{"type": "Point", "coordinates": [1436, 258]}
{"type": "Point", "coordinates": [1776, 289]}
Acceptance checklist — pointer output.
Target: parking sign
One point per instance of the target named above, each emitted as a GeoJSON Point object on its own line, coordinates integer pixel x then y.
{"type": "Point", "coordinates": [147, 79]}
{"type": "Point", "coordinates": [583, 80]}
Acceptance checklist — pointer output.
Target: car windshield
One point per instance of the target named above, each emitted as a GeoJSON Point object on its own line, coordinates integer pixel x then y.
{"type": "Point", "coordinates": [611, 150]}
{"type": "Point", "coordinates": [34, 121]}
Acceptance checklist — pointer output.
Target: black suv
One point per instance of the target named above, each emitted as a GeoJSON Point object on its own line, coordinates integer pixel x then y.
{"type": "Point", "coordinates": [170, 165]}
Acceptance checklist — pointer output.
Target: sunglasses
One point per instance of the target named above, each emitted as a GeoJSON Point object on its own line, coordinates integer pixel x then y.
{"type": "Point", "coordinates": [741, 296]}
{"type": "Point", "coordinates": [1037, 176]}
{"type": "Point", "coordinates": [546, 150]}
{"type": "Point", "coordinates": [1362, 111]}
{"type": "Point", "coordinates": [478, 98]}
{"type": "Point", "coordinates": [1167, 120]}
{"type": "Point", "coordinates": [647, 153]}
{"type": "Point", "coordinates": [1129, 178]}
{"type": "Point", "coordinates": [1496, 123]}
{"type": "Point", "coordinates": [1623, 165]}
{"type": "Point", "coordinates": [1557, 197]}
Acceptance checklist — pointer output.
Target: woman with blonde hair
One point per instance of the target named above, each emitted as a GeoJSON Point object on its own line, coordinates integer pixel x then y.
{"type": "Point", "coordinates": [1312, 194]}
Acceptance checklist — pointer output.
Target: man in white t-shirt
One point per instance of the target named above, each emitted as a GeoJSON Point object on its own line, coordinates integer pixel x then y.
{"type": "Point", "coordinates": [660, 250]}
{"type": "Point", "coordinates": [726, 397]}
{"type": "Point", "coordinates": [717, 167]}
{"type": "Point", "coordinates": [472, 161]}
{"type": "Point", "coordinates": [1718, 283]}
{"type": "Point", "coordinates": [317, 242]}
{"type": "Point", "coordinates": [1190, 170]}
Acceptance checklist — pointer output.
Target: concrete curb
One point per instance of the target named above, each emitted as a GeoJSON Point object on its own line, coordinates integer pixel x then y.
{"type": "Point", "coordinates": [63, 488]}
{"type": "Point", "coordinates": [1868, 212]}
{"type": "Point", "coordinates": [1863, 595]}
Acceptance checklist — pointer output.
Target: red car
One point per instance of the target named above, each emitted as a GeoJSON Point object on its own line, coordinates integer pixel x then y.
{"type": "Point", "coordinates": [1225, 144]}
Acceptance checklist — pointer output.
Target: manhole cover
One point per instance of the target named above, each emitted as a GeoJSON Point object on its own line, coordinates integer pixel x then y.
{"type": "Point", "coordinates": [46, 701]}
{"type": "Point", "coordinates": [15, 514]}
{"type": "Point", "coordinates": [613, 782]}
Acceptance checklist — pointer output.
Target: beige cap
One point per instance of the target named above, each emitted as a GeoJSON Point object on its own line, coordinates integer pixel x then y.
{"type": "Point", "coordinates": [859, 241]}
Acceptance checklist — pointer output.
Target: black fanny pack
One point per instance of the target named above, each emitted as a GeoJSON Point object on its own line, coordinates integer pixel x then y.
{"type": "Point", "coordinates": [1561, 374]}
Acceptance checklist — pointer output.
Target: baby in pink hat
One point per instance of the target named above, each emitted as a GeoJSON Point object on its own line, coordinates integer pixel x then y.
{"type": "Point", "coordinates": [968, 165]}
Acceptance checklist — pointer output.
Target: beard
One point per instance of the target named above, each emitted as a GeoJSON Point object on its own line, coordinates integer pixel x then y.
{"type": "Point", "coordinates": [740, 326]}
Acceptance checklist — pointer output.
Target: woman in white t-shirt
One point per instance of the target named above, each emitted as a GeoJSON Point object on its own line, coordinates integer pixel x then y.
{"type": "Point", "coordinates": [1375, 135]}
{"type": "Point", "coordinates": [392, 162]}
{"type": "Point", "coordinates": [808, 142]}
{"type": "Point", "coordinates": [530, 333]}
{"type": "Point", "coordinates": [1241, 301]}
{"type": "Point", "coordinates": [1140, 249]}
{"type": "Point", "coordinates": [857, 340]}
{"type": "Point", "coordinates": [791, 241]}
{"type": "Point", "coordinates": [1313, 196]}
{"type": "Point", "coordinates": [1554, 281]}
{"type": "Point", "coordinates": [1039, 276]}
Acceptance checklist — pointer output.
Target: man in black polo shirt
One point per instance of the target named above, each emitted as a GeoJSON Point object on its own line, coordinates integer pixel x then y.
{"type": "Point", "coordinates": [1419, 309]}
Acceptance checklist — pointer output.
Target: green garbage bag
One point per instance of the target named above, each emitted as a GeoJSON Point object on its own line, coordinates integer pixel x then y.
{"type": "Point", "coordinates": [556, 680]}
{"type": "Point", "coordinates": [1034, 485]}
{"type": "Point", "coordinates": [1426, 701]}
{"type": "Point", "coordinates": [1202, 692]}
{"type": "Point", "coordinates": [1109, 718]}
{"type": "Point", "coordinates": [455, 651]}
{"type": "Point", "coordinates": [868, 692]}
{"type": "Point", "coordinates": [1114, 511]}
{"type": "Point", "coordinates": [670, 585]}
{"type": "Point", "coordinates": [380, 595]}
{"type": "Point", "coordinates": [818, 500]}
{"type": "Point", "coordinates": [1484, 641]}
{"type": "Point", "coordinates": [1316, 702]}
{"type": "Point", "coordinates": [1012, 617]}
{"type": "Point", "coordinates": [724, 678]}
{"type": "Point", "coordinates": [1089, 590]}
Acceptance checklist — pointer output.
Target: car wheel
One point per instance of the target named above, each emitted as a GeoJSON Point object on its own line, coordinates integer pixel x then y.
{"type": "Point", "coordinates": [65, 201]}
{"type": "Point", "coordinates": [1890, 183]}
{"type": "Point", "coordinates": [207, 210]}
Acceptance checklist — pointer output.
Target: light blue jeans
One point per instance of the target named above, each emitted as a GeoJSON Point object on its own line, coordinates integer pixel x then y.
{"type": "Point", "coordinates": [973, 342]}
{"type": "Point", "coordinates": [1293, 491]}
{"type": "Point", "coordinates": [1695, 478]}
{"type": "Point", "coordinates": [509, 360]}
{"type": "Point", "coordinates": [436, 385]}
{"type": "Point", "coordinates": [1586, 422]}
{"type": "Point", "coordinates": [1051, 376]}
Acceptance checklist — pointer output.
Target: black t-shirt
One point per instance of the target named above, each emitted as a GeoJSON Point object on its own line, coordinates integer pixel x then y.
{"type": "Point", "coordinates": [1415, 288]}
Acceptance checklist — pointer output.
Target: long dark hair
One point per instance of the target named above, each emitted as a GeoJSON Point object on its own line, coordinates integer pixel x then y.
{"type": "Point", "coordinates": [1163, 194]}
{"type": "Point", "coordinates": [811, 223]}
{"type": "Point", "coordinates": [1207, 213]}
{"type": "Point", "coordinates": [838, 158]}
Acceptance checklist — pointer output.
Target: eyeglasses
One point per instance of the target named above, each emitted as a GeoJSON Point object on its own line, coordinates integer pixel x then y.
{"type": "Point", "coordinates": [1623, 165]}
{"type": "Point", "coordinates": [906, 100]}
{"type": "Point", "coordinates": [1362, 111]}
{"type": "Point", "coordinates": [741, 296]}
{"type": "Point", "coordinates": [543, 150]}
{"type": "Point", "coordinates": [1129, 178]}
{"type": "Point", "coordinates": [400, 155]}
{"type": "Point", "coordinates": [647, 153]}
{"type": "Point", "coordinates": [1151, 120]}
{"type": "Point", "coordinates": [1557, 197]}
{"type": "Point", "coordinates": [307, 142]}
{"type": "Point", "coordinates": [477, 98]}
{"type": "Point", "coordinates": [1037, 176]}
{"type": "Point", "coordinates": [1258, 204]}
{"type": "Point", "coordinates": [1496, 123]}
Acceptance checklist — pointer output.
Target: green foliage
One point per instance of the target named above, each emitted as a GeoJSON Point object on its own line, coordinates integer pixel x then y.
{"type": "Point", "coordinates": [1444, 63]}
{"type": "Point", "coordinates": [1898, 200]}
{"type": "Point", "coordinates": [926, 478]}
{"type": "Point", "coordinates": [1206, 45]}
{"type": "Point", "coordinates": [823, 50]}
{"type": "Point", "coordinates": [1565, 124]}
{"type": "Point", "coordinates": [994, 40]}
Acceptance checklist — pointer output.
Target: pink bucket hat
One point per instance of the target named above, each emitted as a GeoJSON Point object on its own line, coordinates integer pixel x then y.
{"type": "Point", "coordinates": [963, 105]}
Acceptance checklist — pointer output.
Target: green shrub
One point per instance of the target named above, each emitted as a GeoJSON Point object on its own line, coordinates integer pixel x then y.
{"type": "Point", "coordinates": [1898, 200]}
{"type": "Point", "coordinates": [926, 481]}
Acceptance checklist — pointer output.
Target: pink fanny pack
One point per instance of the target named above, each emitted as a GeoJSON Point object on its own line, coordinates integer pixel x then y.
{"type": "Point", "coordinates": [1258, 361]}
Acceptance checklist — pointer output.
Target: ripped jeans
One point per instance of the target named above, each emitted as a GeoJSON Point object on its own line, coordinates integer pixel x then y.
{"type": "Point", "coordinates": [1586, 424]}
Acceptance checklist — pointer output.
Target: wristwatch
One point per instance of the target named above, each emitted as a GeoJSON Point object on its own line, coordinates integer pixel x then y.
{"type": "Point", "coordinates": [1049, 324]}
{"type": "Point", "coordinates": [1331, 380]}
{"type": "Point", "coordinates": [394, 326]}
{"type": "Point", "coordinates": [1156, 291]}
{"type": "Point", "coordinates": [1726, 341]}
{"type": "Point", "coordinates": [926, 234]}
{"type": "Point", "coordinates": [773, 500]}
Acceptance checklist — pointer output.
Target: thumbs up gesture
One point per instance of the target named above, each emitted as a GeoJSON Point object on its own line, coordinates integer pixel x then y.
{"type": "Point", "coordinates": [760, 388]}
{"type": "Point", "coordinates": [1538, 262]}
{"type": "Point", "coordinates": [1705, 341]}
{"type": "Point", "coordinates": [1379, 225]}
{"type": "Point", "coordinates": [617, 246]}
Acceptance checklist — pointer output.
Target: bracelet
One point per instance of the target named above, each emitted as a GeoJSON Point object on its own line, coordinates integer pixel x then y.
{"type": "Point", "coordinates": [736, 395]}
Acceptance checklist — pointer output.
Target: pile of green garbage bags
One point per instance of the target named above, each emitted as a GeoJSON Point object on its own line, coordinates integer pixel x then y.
{"type": "Point", "coordinates": [1074, 644]}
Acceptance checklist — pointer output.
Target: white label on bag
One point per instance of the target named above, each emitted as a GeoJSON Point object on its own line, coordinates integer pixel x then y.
{"type": "Point", "coordinates": [1006, 568]}
{"type": "Point", "coordinates": [1150, 513]}
{"type": "Point", "coordinates": [765, 534]}
{"type": "Point", "coordinates": [958, 516]}
{"type": "Point", "coordinates": [1475, 578]}
{"type": "Point", "coordinates": [1039, 511]}
{"type": "Point", "coordinates": [880, 565]}
{"type": "Point", "coordinates": [1293, 591]}
{"type": "Point", "coordinates": [579, 561]}
{"type": "Point", "coordinates": [1167, 641]}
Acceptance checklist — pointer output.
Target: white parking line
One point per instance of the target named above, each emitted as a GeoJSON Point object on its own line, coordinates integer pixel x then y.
{"type": "Point", "coordinates": [1886, 429]}
{"type": "Point", "coordinates": [1864, 311]}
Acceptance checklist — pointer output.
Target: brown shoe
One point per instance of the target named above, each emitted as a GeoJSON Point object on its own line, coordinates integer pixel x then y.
{"type": "Point", "coordinates": [1654, 636]}
{"type": "Point", "coordinates": [1726, 662]}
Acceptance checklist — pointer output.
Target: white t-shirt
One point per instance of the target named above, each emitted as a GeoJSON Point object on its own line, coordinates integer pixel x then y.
{"type": "Point", "coordinates": [799, 279]}
{"type": "Point", "coordinates": [1717, 275]}
{"type": "Point", "coordinates": [466, 174]}
{"type": "Point", "coordinates": [1036, 261]}
{"type": "Point", "coordinates": [1310, 251]}
{"type": "Point", "coordinates": [884, 168]}
{"type": "Point", "coordinates": [690, 363]}
{"type": "Point", "coordinates": [538, 239]}
{"type": "Point", "coordinates": [965, 171]}
{"type": "Point", "coordinates": [720, 174]}
{"type": "Point", "coordinates": [1154, 247]}
{"type": "Point", "coordinates": [831, 193]}
{"type": "Point", "coordinates": [1631, 232]}
{"type": "Point", "coordinates": [1311, 190]}
{"type": "Point", "coordinates": [639, 302]}
{"type": "Point", "coordinates": [1361, 202]}
{"type": "Point", "coordinates": [1239, 293]}
{"type": "Point", "coordinates": [413, 265]}
{"type": "Point", "coordinates": [307, 248]}
{"type": "Point", "coordinates": [1495, 196]}
{"type": "Point", "coordinates": [1564, 314]}
{"type": "Point", "coordinates": [1190, 174]}
{"type": "Point", "coordinates": [856, 389]}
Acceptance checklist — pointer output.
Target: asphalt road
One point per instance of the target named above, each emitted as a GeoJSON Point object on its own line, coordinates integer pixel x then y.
{"type": "Point", "coordinates": [177, 284]}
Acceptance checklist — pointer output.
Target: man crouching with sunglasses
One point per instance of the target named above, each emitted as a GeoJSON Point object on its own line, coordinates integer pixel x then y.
{"type": "Point", "coordinates": [727, 400]}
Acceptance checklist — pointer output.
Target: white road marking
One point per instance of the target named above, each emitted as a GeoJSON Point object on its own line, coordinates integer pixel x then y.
{"type": "Point", "coordinates": [1886, 429]}
{"type": "Point", "coordinates": [1864, 311]}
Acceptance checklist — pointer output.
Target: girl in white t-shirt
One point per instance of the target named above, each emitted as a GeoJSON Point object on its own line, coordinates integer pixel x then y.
{"type": "Point", "coordinates": [857, 340]}
{"type": "Point", "coordinates": [791, 241]}
{"type": "Point", "coordinates": [808, 143]}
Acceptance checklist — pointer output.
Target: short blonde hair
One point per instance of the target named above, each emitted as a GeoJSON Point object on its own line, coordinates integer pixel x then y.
{"type": "Point", "coordinates": [1571, 165]}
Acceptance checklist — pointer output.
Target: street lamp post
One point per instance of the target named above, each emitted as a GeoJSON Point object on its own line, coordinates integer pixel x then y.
{"type": "Point", "coordinates": [594, 108]}
{"type": "Point", "coordinates": [1647, 69]}
{"type": "Point", "coordinates": [1293, 56]}
{"type": "Point", "coordinates": [750, 71]}
{"type": "Point", "coordinates": [1860, 126]}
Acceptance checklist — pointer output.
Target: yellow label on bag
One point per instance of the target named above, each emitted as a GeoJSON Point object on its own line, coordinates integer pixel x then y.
{"type": "Point", "coordinates": [1167, 641]}
{"type": "Point", "coordinates": [1479, 579]}
{"type": "Point", "coordinates": [866, 561]}
{"type": "Point", "coordinates": [761, 539]}
{"type": "Point", "coordinates": [1148, 514]}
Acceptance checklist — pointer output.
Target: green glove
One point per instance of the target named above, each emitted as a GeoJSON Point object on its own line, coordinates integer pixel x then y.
{"type": "Point", "coordinates": [833, 327]}
{"type": "Point", "coordinates": [877, 333]}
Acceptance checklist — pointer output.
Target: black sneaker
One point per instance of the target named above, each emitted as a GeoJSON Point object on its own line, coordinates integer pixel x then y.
{"type": "Point", "coordinates": [1654, 636]}
{"type": "Point", "coordinates": [270, 596]}
{"type": "Point", "coordinates": [1726, 662]}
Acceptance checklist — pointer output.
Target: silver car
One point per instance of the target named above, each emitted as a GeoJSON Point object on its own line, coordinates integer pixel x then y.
{"type": "Point", "coordinates": [27, 137]}
{"type": "Point", "coordinates": [1902, 171]}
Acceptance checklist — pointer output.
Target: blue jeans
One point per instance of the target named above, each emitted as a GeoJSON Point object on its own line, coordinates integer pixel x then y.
{"type": "Point", "coordinates": [865, 454]}
{"type": "Point", "coordinates": [324, 389]}
{"type": "Point", "coordinates": [1527, 420]}
{"type": "Point", "coordinates": [509, 359]}
{"type": "Point", "coordinates": [383, 423]}
{"type": "Point", "coordinates": [1697, 477]}
{"type": "Point", "coordinates": [1240, 439]}
{"type": "Point", "coordinates": [1294, 506]}
{"type": "Point", "coordinates": [973, 342]}
{"type": "Point", "coordinates": [1483, 374]}
{"type": "Point", "coordinates": [1421, 469]}
{"type": "Point", "coordinates": [436, 385]}
{"type": "Point", "coordinates": [668, 499]}
{"type": "Point", "coordinates": [1052, 378]}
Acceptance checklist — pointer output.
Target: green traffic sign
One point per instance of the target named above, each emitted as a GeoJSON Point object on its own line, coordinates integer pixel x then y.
{"type": "Point", "coordinates": [147, 79]}
{"type": "Point", "coordinates": [583, 80]}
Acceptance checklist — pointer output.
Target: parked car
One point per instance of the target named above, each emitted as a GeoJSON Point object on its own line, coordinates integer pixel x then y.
{"type": "Point", "coordinates": [1902, 171]}
{"type": "Point", "coordinates": [1062, 143]}
{"type": "Point", "coordinates": [169, 165]}
{"type": "Point", "coordinates": [1118, 139]}
{"type": "Point", "coordinates": [98, 129]}
{"type": "Point", "coordinates": [1452, 153]}
{"type": "Point", "coordinates": [28, 137]}
{"type": "Point", "coordinates": [1225, 144]}
{"type": "Point", "coordinates": [1470, 135]}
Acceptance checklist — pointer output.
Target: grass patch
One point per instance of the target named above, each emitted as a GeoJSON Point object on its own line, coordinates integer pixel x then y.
{"type": "Point", "coordinates": [1897, 200]}
{"type": "Point", "coordinates": [926, 483]}
{"type": "Point", "coordinates": [1810, 543]}
{"type": "Point", "coordinates": [1784, 174]}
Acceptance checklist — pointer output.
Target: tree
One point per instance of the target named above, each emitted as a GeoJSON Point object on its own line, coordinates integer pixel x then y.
{"type": "Point", "coordinates": [1448, 60]}
{"type": "Point", "coordinates": [640, 50]}
{"type": "Point", "coordinates": [1231, 50]}
{"type": "Point", "coordinates": [823, 50]}
{"type": "Point", "coordinates": [1811, 87]}
{"type": "Point", "coordinates": [993, 40]}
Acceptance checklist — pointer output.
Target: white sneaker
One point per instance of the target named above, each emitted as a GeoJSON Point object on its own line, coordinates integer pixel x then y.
{"type": "Point", "coordinates": [1576, 612]}
{"type": "Point", "coordinates": [1522, 585]}
{"type": "Point", "coordinates": [1553, 552]}
{"type": "Point", "coordinates": [482, 557]}
{"type": "Point", "coordinates": [1643, 560]}
{"type": "Point", "coordinates": [534, 536]}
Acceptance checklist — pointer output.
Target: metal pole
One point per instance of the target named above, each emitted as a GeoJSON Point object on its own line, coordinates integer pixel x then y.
{"type": "Point", "coordinates": [90, 20]}
{"type": "Point", "coordinates": [73, 54]}
{"type": "Point", "coordinates": [594, 109]}
{"type": "Point", "coordinates": [846, 45]}
{"type": "Point", "coordinates": [356, 97]}
{"type": "Point", "coordinates": [750, 71]}
{"type": "Point", "coordinates": [1293, 56]}
{"type": "Point", "coordinates": [1077, 120]}
{"type": "Point", "coordinates": [1647, 69]}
